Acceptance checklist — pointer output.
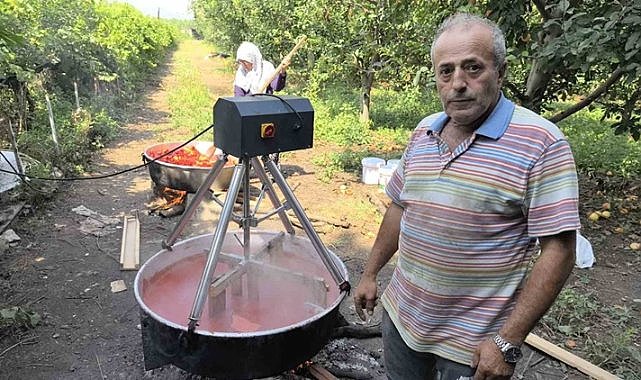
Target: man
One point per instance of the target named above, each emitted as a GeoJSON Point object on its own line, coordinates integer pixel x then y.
{"type": "Point", "coordinates": [477, 186]}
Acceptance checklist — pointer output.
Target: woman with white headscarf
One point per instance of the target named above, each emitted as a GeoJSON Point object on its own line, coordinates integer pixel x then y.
{"type": "Point", "coordinates": [253, 71]}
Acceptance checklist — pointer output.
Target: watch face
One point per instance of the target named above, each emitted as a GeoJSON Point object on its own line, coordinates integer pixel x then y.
{"type": "Point", "coordinates": [513, 354]}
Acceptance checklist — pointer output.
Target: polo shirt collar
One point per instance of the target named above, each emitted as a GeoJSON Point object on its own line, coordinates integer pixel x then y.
{"type": "Point", "coordinates": [493, 127]}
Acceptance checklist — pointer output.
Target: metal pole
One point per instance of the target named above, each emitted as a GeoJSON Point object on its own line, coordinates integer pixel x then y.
{"type": "Point", "coordinates": [216, 245]}
{"type": "Point", "coordinates": [54, 134]}
{"type": "Point", "coordinates": [307, 226]}
{"type": "Point", "coordinates": [14, 145]}
{"type": "Point", "coordinates": [271, 193]}
{"type": "Point", "coordinates": [246, 211]}
{"type": "Point", "coordinates": [193, 205]}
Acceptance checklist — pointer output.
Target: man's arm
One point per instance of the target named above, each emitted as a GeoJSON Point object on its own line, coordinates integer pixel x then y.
{"type": "Point", "coordinates": [385, 246]}
{"type": "Point", "coordinates": [546, 280]}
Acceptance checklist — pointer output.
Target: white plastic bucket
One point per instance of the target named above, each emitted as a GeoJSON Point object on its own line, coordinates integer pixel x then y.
{"type": "Point", "coordinates": [393, 163]}
{"type": "Point", "coordinates": [370, 169]}
{"type": "Point", "coordinates": [385, 174]}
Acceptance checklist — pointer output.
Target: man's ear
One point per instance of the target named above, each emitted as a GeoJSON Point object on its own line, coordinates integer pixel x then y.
{"type": "Point", "coordinates": [503, 71]}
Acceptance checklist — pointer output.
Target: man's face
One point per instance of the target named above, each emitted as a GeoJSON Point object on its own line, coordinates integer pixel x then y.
{"type": "Point", "coordinates": [466, 78]}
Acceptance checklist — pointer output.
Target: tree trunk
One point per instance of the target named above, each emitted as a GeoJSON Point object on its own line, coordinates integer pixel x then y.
{"type": "Point", "coordinates": [537, 82]}
{"type": "Point", "coordinates": [367, 80]}
{"type": "Point", "coordinates": [541, 74]}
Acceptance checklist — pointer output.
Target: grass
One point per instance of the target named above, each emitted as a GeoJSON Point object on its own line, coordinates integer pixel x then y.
{"type": "Point", "coordinates": [578, 316]}
{"type": "Point", "coordinates": [597, 148]}
{"type": "Point", "coordinates": [190, 101]}
{"type": "Point", "coordinates": [394, 116]}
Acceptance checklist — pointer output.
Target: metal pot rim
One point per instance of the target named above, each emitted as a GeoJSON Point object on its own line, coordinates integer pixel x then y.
{"type": "Point", "coordinates": [174, 325]}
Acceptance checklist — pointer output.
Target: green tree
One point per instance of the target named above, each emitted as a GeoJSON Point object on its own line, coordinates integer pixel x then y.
{"type": "Point", "coordinates": [364, 41]}
{"type": "Point", "coordinates": [356, 42]}
{"type": "Point", "coordinates": [586, 52]}
{"type": "Point", "coordinates": [47, 45]}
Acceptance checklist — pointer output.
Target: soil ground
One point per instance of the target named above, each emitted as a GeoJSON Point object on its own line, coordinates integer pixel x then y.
{"type": "Point", "coordinates": [63, 272]}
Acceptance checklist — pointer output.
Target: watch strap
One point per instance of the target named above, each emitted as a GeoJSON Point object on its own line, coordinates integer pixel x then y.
{"type": "Point", "coordinates": [502, 343]}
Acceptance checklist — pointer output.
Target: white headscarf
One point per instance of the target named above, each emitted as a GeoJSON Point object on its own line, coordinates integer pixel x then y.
{"type": "Point", "coordinates": [261, 69]}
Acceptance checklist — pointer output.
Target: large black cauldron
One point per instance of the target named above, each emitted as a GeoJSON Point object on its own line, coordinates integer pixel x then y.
{"type": "Point", "coordinates": [235, 354]}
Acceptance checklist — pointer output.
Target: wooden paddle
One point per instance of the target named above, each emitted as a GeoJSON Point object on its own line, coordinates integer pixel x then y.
{"type": "Point", "coordinates": [284, 63]}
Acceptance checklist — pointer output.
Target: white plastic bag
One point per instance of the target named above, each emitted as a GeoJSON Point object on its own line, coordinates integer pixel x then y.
{"type": "Point", "coordinates": [584, 253]}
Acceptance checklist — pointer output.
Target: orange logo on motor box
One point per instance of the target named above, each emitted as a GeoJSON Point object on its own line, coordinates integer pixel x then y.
{"type": "Point", "coordinates": [267, 130]}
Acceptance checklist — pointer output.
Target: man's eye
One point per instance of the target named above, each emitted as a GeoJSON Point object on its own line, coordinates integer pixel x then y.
{"type": "Point", "coordinates": [473, 68]}
{"type": "Point", "coordinates": [444, 71]}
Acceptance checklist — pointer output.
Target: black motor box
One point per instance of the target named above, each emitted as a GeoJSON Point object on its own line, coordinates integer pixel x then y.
{"type": "Point", "coordinates": [257, 125]}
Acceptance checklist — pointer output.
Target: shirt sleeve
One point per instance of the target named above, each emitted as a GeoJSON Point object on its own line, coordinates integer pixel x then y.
{"type": "Point", "coordinates": [553, 192]}
{"type": "Point", "coordinates": [279, 82]}
{"type": "Point", "coordinates": [396, 183]}
{"type": "Point", "coordinates": [239, 91]}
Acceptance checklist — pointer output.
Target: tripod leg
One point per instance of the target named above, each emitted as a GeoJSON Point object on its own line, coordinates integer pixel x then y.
{"type": "Point", "coordinates": [307, 226]}
{"type": "Point", "coordinates": [193, 205]}
{"type": "Point", "coordinates": [271, 193]}
{"type": "Point", "coordinates": [246, 221]}
{"type": "Point", "coordinates": [216, 245]}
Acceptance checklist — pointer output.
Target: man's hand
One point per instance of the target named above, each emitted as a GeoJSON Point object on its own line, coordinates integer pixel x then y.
{"type": "Point", "coordinates": [385, 245]}
{"type": "Point", "coordinates": [365, 296]}
{"type": "Point", "coordinates": [489, 363]}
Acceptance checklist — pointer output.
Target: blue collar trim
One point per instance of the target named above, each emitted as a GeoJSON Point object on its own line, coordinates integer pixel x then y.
{"type": "Point", "coordinates": [493, 127]}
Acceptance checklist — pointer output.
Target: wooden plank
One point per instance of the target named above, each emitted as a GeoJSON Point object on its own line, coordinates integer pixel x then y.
{"type": "Point", "coordinates": [569, 358]}
{"type": "Point", "coordinates": [272, 246]}
{"type": "Point", "coordinates": [320, 373]}
{"type": "Point", "coordinates": [130, 244]}
{"type": "Point", "coordinates": [221, 283]}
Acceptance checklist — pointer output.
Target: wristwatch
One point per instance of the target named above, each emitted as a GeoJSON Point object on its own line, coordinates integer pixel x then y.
{"type": "Point", "coordinates": [511, 353]}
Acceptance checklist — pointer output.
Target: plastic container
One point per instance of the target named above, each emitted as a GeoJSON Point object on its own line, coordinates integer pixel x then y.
{"type": "Point", "coordinates": [393, 162]}
{"type": "Point", "coordinates": [370, 169]}
{"type": "Point", "coordinates": [385, 174]}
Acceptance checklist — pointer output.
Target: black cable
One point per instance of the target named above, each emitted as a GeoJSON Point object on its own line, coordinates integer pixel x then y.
{"type": "Point", "coordinates": [23, 177]}
{"type": "Point", "coordinates": [296, 127]}
{"type": "Point", "coordinates": [15, 171]}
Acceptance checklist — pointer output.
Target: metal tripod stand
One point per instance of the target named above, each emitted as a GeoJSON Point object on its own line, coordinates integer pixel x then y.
{"type": "Point", "coordinates": [240, 179]}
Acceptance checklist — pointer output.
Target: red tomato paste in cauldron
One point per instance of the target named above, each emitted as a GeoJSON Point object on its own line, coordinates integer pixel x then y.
{"type": "Point", "coordinates": [188, 156]}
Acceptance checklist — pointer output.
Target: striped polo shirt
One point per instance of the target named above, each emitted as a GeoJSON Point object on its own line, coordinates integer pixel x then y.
{"type": "Point", "coordinates": [470, 223]}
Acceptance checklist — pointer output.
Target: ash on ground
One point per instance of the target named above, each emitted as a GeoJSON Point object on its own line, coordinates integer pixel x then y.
{"type": "Point", "coordinates": [345, 359]}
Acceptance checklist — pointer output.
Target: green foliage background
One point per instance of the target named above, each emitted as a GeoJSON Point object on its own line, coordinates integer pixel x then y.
{"type": "Point", "coordinates": [559, 50]}
{"type": "Point", "coordinates": [49, 46]}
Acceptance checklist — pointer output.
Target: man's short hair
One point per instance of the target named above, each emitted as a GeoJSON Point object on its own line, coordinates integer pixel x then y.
{"type": "Point", "coordinates": [498, 38]}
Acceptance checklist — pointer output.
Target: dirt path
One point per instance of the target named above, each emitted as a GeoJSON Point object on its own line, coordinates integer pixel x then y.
{"type": "Point", "coordinates": [64, 274]}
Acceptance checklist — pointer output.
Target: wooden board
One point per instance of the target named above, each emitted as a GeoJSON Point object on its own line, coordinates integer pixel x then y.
{"type": "Point", "coordinates": [320, 373]}
{"type": "Point", "coordinates": [130, 245]}
{"type": "Point", "coordinates": [569, 358]}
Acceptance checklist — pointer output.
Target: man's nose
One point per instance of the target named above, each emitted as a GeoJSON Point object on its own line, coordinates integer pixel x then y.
{"type": "Point", "coordinates": [459, 80]}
